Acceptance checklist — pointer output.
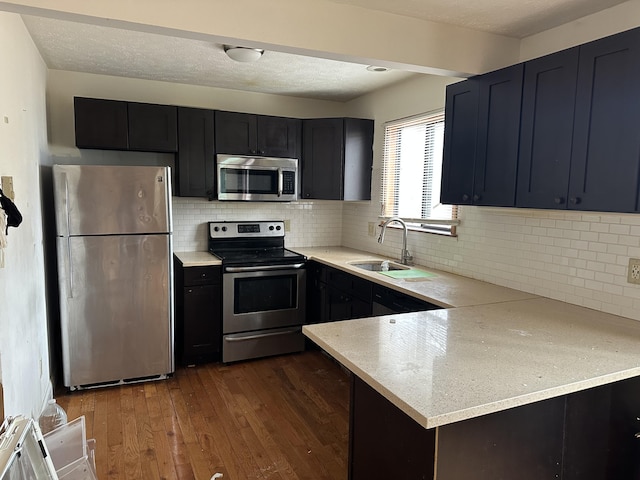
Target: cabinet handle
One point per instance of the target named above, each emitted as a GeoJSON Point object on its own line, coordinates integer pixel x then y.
{"type": "Point", "coordinates": [558, 200]}
{"type": "Point", "coordinates": [253, 152]}
{"type": "Point", "coordinates": [203, 275]}
{"type": "Point", "coordinates": [575, 200]}
{"type": "Point", "coordinates": [465, 197]}
{"type": "Point", "coordinates": [476, 197]}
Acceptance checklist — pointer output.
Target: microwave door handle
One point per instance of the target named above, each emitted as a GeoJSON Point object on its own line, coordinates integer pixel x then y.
{"type": "Point", "coordinates": [280, 181]}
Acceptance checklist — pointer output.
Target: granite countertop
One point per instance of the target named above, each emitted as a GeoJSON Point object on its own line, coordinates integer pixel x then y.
{"type": "Point", "coordinates": [498, 348]}
{"type": "Point", "coordinates": [444, 366]}
{"type": "Point", "coordinates": [443, 289]}
{"type": "Point", "coordinates": [197, 259]}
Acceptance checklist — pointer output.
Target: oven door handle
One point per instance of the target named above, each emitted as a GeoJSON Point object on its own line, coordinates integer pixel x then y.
{"type": "Point", "coordinates": [264, 268]}
{"type": "Point", "coordinates": [244, 337]}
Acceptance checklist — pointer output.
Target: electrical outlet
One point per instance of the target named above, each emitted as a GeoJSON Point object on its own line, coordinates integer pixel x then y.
{"type": "Point", "coordinates": [633, 275]}
{"type": "Point", "coordinates": [372, 229]}
{"type": "Point", "coordinates": [287, 225]}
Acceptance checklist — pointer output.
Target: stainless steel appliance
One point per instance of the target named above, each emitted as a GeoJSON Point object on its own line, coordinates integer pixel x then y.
{"type": "Point", "coordinates": [264, 289]}
{"type": "Point", "coordinates": [114, 246]}
{"type": "Point", "coordinates": [257, 178]}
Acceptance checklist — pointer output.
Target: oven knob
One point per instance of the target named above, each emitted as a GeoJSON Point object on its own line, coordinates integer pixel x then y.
{"type": "Point", "coordinates": [224, 229]}
{"type": "Point", "coordinates": [216, 229]}
{"type": "Point", "coordinates": [270, 227]}
{"type": "Point", "coordinates": [278, 227]}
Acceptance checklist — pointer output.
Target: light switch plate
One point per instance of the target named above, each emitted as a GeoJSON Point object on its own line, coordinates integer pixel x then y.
{"type": "Point", "coordinates": [6, 183]}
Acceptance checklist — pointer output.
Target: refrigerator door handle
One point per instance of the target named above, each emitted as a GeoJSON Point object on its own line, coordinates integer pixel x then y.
{"type": "Point", "coordinates": [66, 207]}
{"type": "Point", "coordinates": [70, 294]}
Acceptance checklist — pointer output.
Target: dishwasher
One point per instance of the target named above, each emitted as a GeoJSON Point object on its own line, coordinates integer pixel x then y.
{"type": "Point", "coordinates": [387, 301]}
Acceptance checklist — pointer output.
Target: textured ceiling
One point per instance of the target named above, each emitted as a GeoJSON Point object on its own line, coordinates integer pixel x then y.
{"type": "Point", "coordinates": [80, 47]}
{"type": "Point", "coordinates": [72, 46]}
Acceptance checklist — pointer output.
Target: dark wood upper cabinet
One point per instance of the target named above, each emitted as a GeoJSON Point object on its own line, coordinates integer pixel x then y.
{"type": "Point", "coordinates": [605, 160]}
{"type": "Point", "coordinates": [249, 134]}
{"type": "Point", "coordinates": [195, 165]}
{"type": "Point", "coordinates": [279, 136]}
{"type": "Point", "coordinates": [337, 155]}
{"type": "Point", "coordinates": [548, 103]}
{"type": "Point", "coordinates": [153, 128]}
{"type": "Point", "coordinates": [482, 119]}
{"type": "Point", "coordinates": [576, 135]}
{"type": "Point", "coordinates": [119, 125]}
{"type": "Point", "coordinates": [101, 124]}
{"type": "Point", "coordinates": [460, 132]}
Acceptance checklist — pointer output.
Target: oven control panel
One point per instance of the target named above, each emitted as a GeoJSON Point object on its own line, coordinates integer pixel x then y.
{"type": "Point", "coordinates": [246, 229]}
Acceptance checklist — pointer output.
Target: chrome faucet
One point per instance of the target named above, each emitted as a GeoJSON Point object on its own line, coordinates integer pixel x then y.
{"type": "Point", "coordinates": [405, 257]}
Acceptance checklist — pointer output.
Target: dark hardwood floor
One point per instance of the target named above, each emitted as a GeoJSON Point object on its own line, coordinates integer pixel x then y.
{"type": "Point", "coordinates": [275, 418]}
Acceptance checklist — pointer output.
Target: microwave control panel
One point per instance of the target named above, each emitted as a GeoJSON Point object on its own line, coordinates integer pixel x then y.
{"type": "Point", "coordinates": [288, 182]}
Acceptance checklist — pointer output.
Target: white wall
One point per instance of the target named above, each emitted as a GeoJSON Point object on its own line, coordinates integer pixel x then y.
{"type": "Point", "coordinates": [24, 349]}
{"type": "Point", "coordinates": [607, 22]}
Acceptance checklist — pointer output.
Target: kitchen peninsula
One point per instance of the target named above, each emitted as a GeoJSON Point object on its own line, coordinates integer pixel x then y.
{"type": "Point", "coordinates": [512, 386]}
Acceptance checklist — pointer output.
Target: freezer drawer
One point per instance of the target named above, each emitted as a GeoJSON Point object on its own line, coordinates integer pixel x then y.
{"type": "Point", "coordinates": [116, 304]}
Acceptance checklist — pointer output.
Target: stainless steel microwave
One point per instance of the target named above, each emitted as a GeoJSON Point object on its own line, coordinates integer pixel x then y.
{"type": "Point", "coordinates": [264, 179]}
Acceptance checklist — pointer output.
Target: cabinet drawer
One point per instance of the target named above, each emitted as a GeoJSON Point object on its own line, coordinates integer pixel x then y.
{"type": "Point", "coordinates": [202, 276]}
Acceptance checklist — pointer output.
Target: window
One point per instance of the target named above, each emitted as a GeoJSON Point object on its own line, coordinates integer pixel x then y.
{"type": "Point", "coordinates": [411, 171]}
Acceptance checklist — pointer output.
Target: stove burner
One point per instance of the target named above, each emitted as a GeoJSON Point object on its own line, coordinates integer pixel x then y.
{"type": "Point", "coordinates": [250, 244]}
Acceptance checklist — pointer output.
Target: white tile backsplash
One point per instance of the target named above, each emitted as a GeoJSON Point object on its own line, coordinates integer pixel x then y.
{"type": "Point", "coordinates": [577, 257]}
{"type": "Point", "coordinates": [312, 224]}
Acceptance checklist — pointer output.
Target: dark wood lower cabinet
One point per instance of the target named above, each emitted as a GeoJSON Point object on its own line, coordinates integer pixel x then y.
{"type": "Point", "coordinates": [385, 442]}
{"type": "Point", "coordinates": [198, 314]}
{"type": "Point", "coordinates": [587, 435]}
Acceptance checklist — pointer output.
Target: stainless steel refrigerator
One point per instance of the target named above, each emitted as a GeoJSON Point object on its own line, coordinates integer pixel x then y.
{"type": "Point", "coordinates": [115, 273]}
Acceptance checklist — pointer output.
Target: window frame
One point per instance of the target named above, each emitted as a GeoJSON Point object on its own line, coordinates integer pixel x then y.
{"type": "Point", "coordinates": [388, 192]}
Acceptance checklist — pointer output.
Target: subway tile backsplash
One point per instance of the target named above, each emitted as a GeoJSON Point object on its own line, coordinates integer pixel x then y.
{"type": "Point", "coordinates": [577, 257]}
{"type": "Point", "coordinates": [312, 224]}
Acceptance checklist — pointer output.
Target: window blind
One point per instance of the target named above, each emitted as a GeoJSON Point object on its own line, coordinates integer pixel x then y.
{"type": "Point", "coordinates": [412, 170]}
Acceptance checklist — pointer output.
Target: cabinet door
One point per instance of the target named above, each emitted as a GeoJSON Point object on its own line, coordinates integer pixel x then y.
{"type": "Point", "coordinates": [496, 160]}
{"type": "Point", "coordinates": [202, 323]}
{"type": "Point", "coordinates": [322, 158]}
{"type": "Point", "coordinates": [461, 125]}
{"type": "Point", "coordinates": [196, 156]}
{"type": "Point", "coordinates": [358, 158]}
{"type": "Point", "coordinates": [546, 130]}
{"type": "Point", "coordinates": [278, 136]}
{"type": "Point", "coordinates": [100, 123]}
{"type": "Point", "coordinates": [153, 128]}
{"type": "Point", "coordinates": [344, 306]}
{"type": "Point", "coordinates": [236, 133]}
{"type": "Point", "coordinates": [605, 161]}
{"type": "Point", "coordinates": [624, 447]}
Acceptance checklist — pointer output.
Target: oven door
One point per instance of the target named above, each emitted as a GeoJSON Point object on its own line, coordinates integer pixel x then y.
{"type": "Point", "coordinates": [260, 298]}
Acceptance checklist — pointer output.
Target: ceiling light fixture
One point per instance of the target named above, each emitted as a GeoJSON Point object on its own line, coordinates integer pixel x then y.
{"type": "Point", "coordinates": [373, 68]}
{"type": "Point", "coordinates": [243, 54]}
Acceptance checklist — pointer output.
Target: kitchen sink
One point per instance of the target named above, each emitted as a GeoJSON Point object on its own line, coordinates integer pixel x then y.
{"type": "Point", "coordinates": [376, 265]}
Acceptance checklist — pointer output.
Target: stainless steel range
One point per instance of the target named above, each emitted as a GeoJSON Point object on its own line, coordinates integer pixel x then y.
{"type": "Point", "coordinates": [263, 289]}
